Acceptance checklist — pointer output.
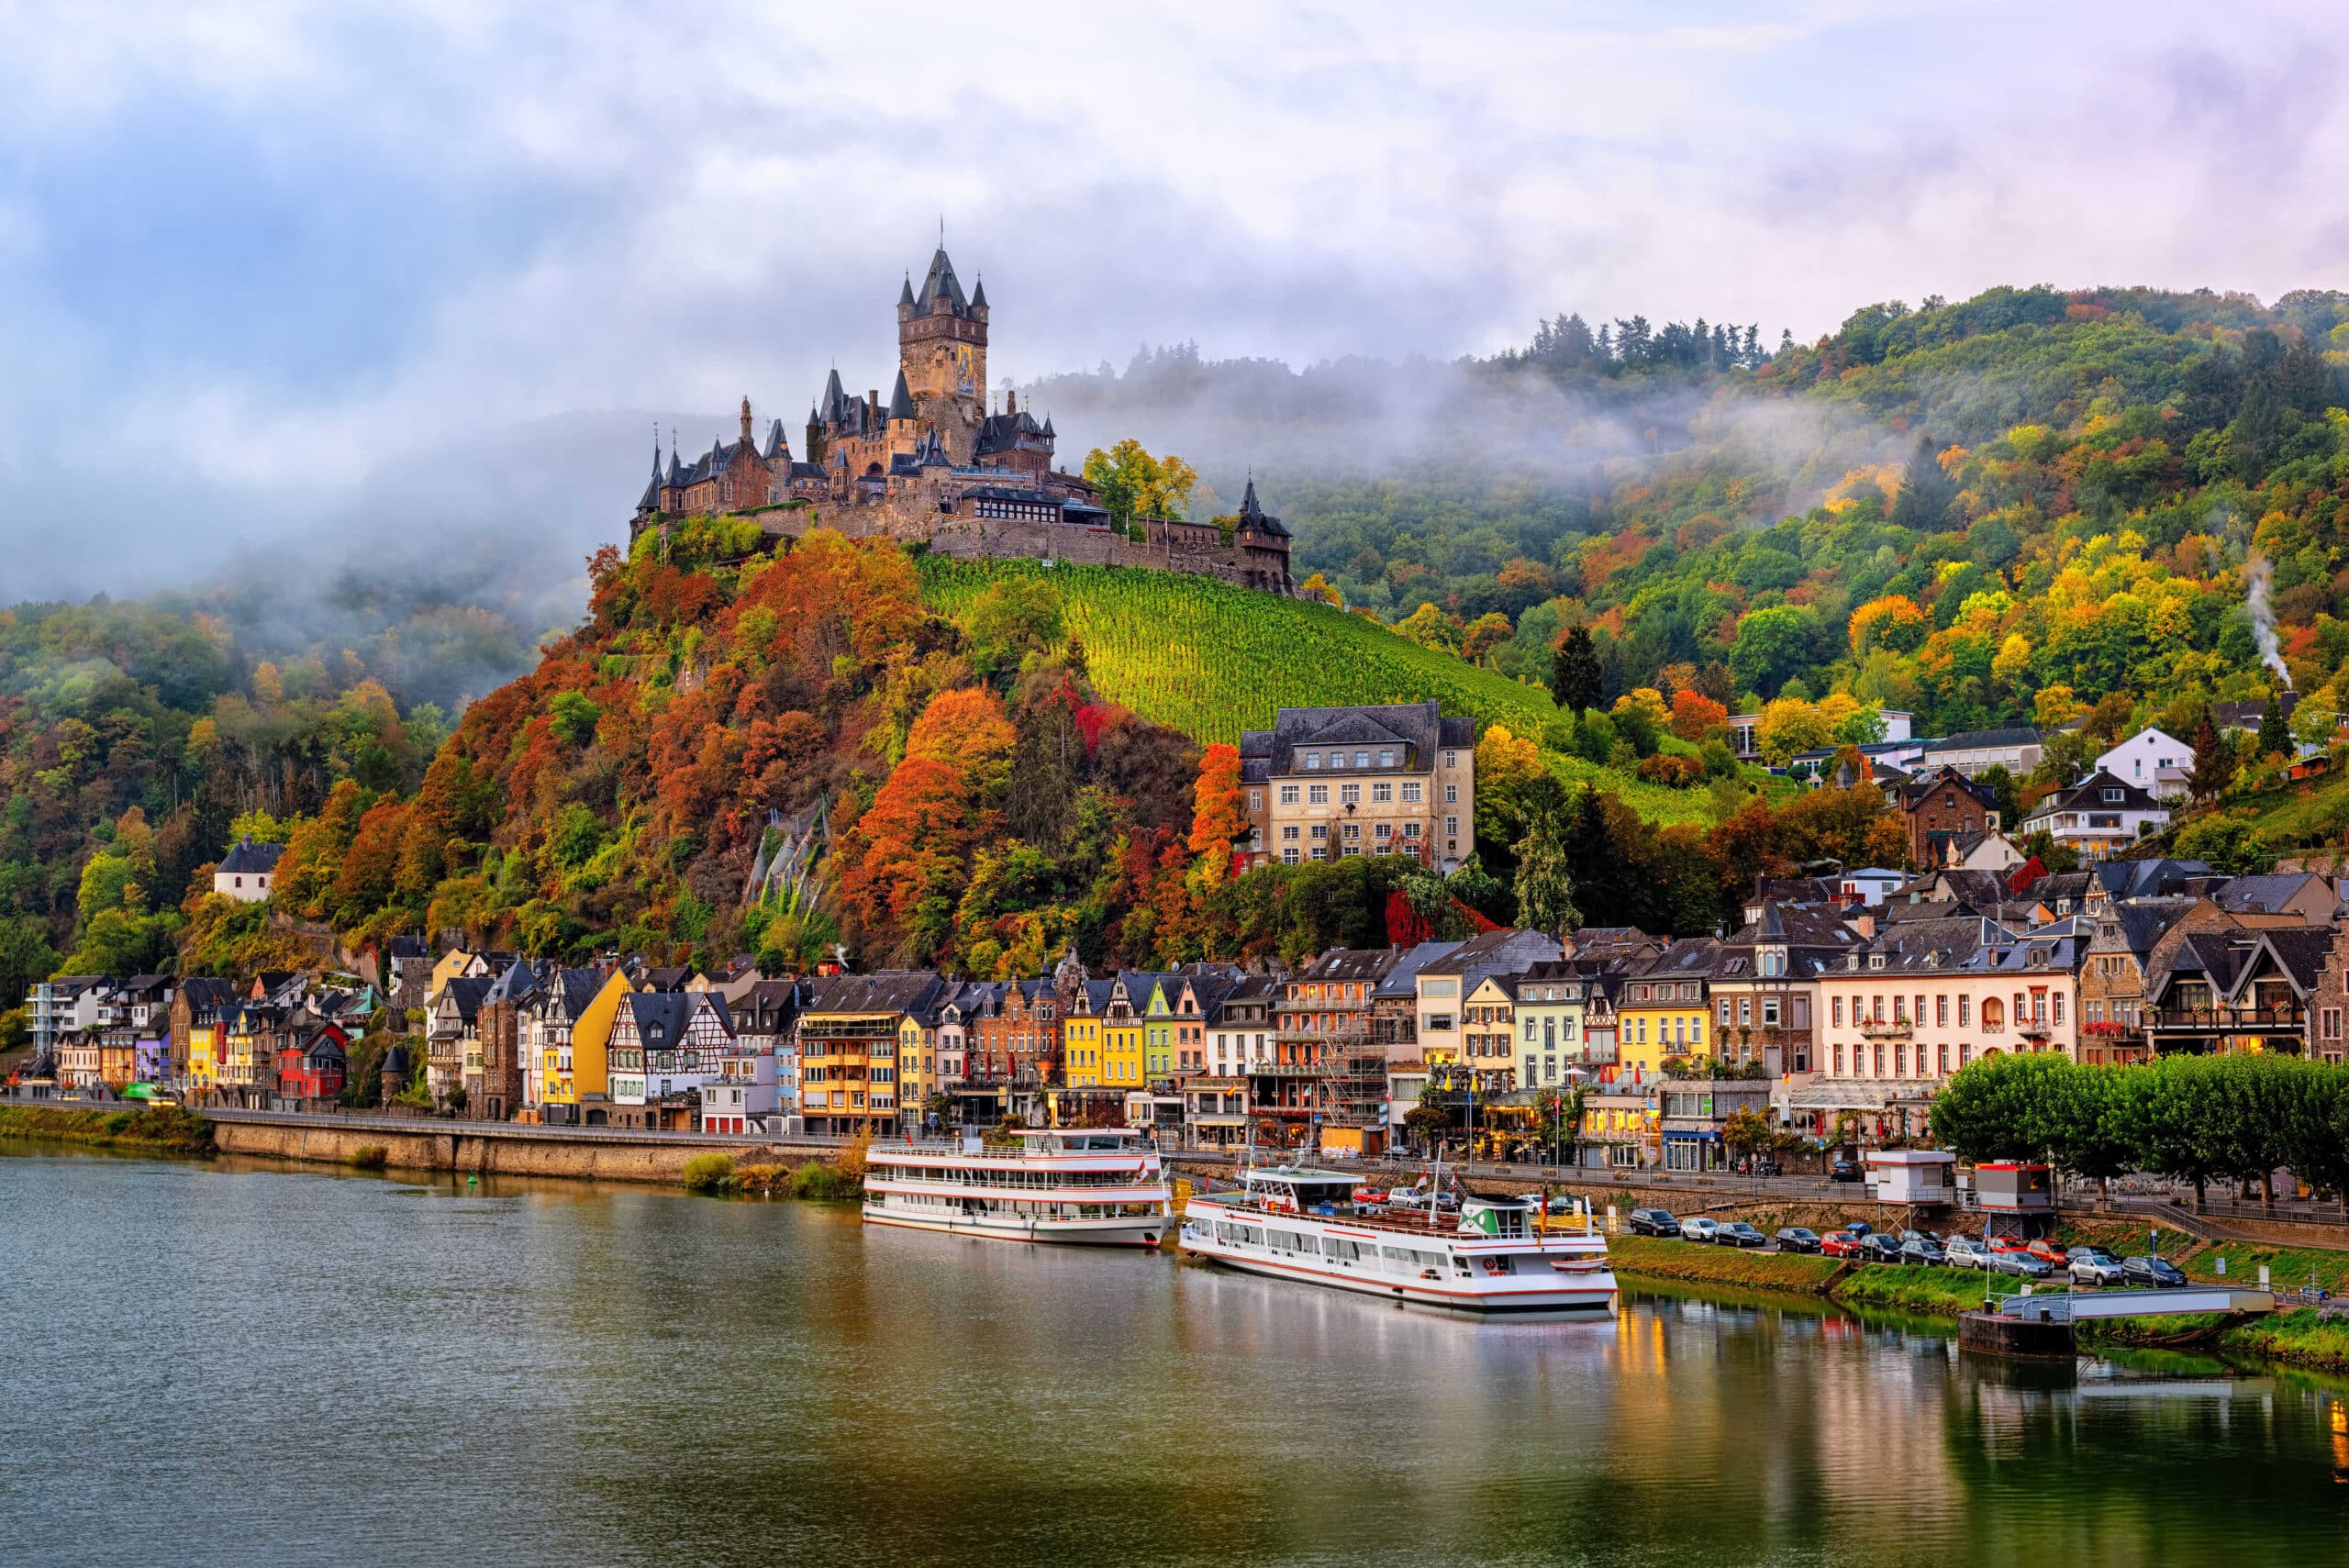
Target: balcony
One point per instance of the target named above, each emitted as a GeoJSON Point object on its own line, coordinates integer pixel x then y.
{"type": "Point", "coordinates": [2291, 1018]}
{"type": "Point", "coordinates": [1886, 1028]}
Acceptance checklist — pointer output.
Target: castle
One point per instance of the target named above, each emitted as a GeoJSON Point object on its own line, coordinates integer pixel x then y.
{"type": "Point", "coordinates": [933, 464]}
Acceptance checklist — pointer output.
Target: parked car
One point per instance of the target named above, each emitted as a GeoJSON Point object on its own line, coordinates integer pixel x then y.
{"type": "Point", "coordinates": [1699, 1228]}
{"type": "Point", "coordinates": [1797, 1239]}
{"type": "Point", "coordinates": [1562, 1204]}
{"type": "Point", "coordinates": [1654, 1222]}
{"type": "Point", "coordinates": [2008, 1244]}
{"type": "Point", "coordinates": [2151, 1273]}
{"type": "Point", "coordinates": [1880, 1248]}
{"type": "Point", "coordinates": [2047, 1253]}
{"type": "Point", "coordinates": [1966, 1252]}
{"type": "Point", "coordinates": [1737, 1233]}
{"type": "Point", "coordinates": [1924, 1250]}
{"type": "Point", "coordinates": [1843, 1170]}
{"type": "Point", "coordinates": [1840, 1244]}
{"type": "Point", "coordinates": [2093, 1265]}
{"type": "Point", "coordinates": [2019, 1263]}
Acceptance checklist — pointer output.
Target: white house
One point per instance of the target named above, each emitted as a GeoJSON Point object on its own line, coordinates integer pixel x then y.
{"type": "Point", "coordinates": [1910, 1176]}
{"type": "Point", "coordinates": [742, 1096]}
{"type": "Point", "coordinates": [2098, 815]}
{"type": "Point", "coordinates": [1867, 886]}
{"type": "Point", "coordinates": [1980, 851]}
{"type": "Point", "coordinates": [2154, 761]}
{"type": "Point", "coordinates": [246, 872]}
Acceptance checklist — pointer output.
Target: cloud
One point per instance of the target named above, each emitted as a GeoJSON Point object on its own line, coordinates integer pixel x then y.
{"type": "Point", "coordinates": [263, 262]}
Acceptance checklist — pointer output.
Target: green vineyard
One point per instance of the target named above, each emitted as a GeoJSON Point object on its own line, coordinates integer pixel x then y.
{"type": "Point", "coordinates": [1211, 660]}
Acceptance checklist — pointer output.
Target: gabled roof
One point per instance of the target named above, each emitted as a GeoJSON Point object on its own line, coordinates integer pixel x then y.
{"type": "Point", "coordinates": [1509, 948]}
{"type": "Point", "coordinates": [2092, 793]}
{"type": "Point", "coordinates": [940, 293]}
{"type": "Point", "coordinates": [251, 858]}
{"type": "Point", "coordinates": [1983, 739]}
{"type": "Point", "coordinates": [1350, 964]}
{"type": "Point", "coordinates": [467, 992]}
{"type": "Point", "coordinates": [2300, 952]}
{"type": "Point", "coordinates": [1420, 725]}
{"type": "Point", "coordinates": [2272, 893]}
{"type": "Point", "coordinates": [1402, 979]}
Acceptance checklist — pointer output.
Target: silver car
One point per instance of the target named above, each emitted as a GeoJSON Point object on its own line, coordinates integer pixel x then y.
{"type": "Point", "coordinates": [1966, 1252]}
{"type": "Point", "coordinates": [2022, 1265]}
{"type": "Point", "coordinates": [2094, 1266]}
{"type": "Point", "coordinates": [1698, 1228]}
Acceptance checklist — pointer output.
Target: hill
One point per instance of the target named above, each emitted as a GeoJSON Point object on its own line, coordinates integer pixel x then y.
{"type": "Point", "coordinates": [1213, 659]}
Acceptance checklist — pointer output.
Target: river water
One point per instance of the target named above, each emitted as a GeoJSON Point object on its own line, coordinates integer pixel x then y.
{"type": "Point", "coordinates": [214, 1364]}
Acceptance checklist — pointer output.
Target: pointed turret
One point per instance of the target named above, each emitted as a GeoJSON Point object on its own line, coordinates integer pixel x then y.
{"type": "Point", "coordinates": [1248, 507]}
{"type": "Point", "coordinates": [746, 420]}
{"type": "Point", "coordinates": [941, 292]}
{"type": "Point", "coordinates": [901, 401]}
{"type": "Point", "coordinates": [1048, 426]}
{"type": "Point", "coordinates": [776, 447]}
{"type": "Point", "coordinates": [906, 294]}
{"type": "Point", "coordinates": [835, 398]}
{"type": "Point", "coordinates": [979, 293]}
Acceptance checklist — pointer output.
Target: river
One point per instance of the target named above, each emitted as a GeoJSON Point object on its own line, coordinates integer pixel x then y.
{"type": "Point", "coordinates": [222, 1364]}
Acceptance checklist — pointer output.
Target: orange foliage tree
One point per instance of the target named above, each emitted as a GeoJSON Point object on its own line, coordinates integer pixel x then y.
{"type": "Point", "coordinates": [1216, 821]}
{"type": "Point", "coordinates": [1695, 714]}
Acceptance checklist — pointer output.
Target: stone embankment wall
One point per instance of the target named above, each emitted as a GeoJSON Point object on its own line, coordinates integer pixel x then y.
{"type": "Point", "coordinates": [1022, 539]}
{"type": "Point", "coordinates": [475, 1148]}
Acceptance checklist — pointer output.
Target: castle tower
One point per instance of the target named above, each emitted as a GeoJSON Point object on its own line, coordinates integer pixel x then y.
{"type": "Point", "coordinates": [746, 422]}
{"type": "Point", "coordinates": [943, 353]}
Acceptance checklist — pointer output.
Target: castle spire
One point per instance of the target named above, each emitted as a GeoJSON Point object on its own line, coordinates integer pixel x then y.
{"type": "Point", "coordinates": [746, 420]}
{"type": "Point", "coordinates": [906, 294]}
{"type": "Point", "coordinates": [901, 400]}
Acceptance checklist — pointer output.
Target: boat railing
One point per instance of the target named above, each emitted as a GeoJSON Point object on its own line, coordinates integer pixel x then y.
{"type": "Point", "coordinates": [1568, 1227]}
{"type": "Point", "coordinates": [991, 1149]}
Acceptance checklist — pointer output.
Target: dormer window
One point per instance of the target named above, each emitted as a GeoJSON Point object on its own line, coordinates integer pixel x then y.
{"type": "Point", "coordinates": [1337, 759]}
{"type": "Point", "coordinates": [1313, 761]}
{"type": "Point", "coordinates": [1875, 961]}
{"type": "Point", "coordinates": [1386, 758]}
{"type": "Point", "coordinates": [2112, 796]}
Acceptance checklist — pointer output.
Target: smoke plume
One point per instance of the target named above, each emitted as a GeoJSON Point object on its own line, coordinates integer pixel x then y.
{"type": "Point", "coordinates": [2258, 577]}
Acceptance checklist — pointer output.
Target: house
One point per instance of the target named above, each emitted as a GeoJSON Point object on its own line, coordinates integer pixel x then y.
{"type": "Point", "coordinates": [453, 1036]}
{"type": "Point", "coordinates": [1939, 804]}
{"type": "Point", "coordinates": [310, 1067]}
{"type": "Point", "coordinates": [493, 1073]}
{"type": "Point", "coordinates": [2220, 989]}
{"type": "Point", "coordinates": [2279, 899]}
{"type": "Point", "coordinates": [848, 1039]}
{"type": "Point", "coordinates": [743, 1094]}
{"type": "Point", "coordinates": [246, 871]}
{"type": "Point", "coordinates": [199, 1033]}
{"type": "Point", "coordinates": [1661, 1013]}
{"type": "Point", "coordinates": [1328, 1065]}
{"type": "Point", "coordinates": [1327, 783]}
{"type": "Point", "coordinates": [1693, 1115]}
{"type": "Point", "coordinates": [2244, 718]}
{"type": "Point", "coordinates": [1559, 1003]}
{"type": "Point", "coordinates": [1867, 886]}
{"type": "Point", "coordinates": [1239, 1025]}
{"type": "Point", "coordinates": [1622, 1124]}
{"type": "Point", "coordinates": [578, 1056]}
{"type": "Point", "coordinates": [2121, 944]}
{"type": "Point", "coordinates": [1987, 850]}
{"type": "Point", "coordinates": [2099, 816]}
{"type": "Point", "coordinates": [547, 1015]}
{"type": "Point", "coordinates": [1974, 751]}
{"type": "Point", "coordinates": [1444, 984]}
{"type": "Point", "coordinates": [764, 1019]}
{"type": "Point", "coordinates": [2154, 761]}
{"type": "Point", "coordinates": [1900, 727]}
{"type": "Point", "coordinates": [1765, 984]}
{"type": "Point", "coordinates": [664, 1045]}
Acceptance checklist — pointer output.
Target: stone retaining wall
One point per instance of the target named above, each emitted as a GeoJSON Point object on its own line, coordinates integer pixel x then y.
{"type": "Point", "coordinates": [503, 1151]}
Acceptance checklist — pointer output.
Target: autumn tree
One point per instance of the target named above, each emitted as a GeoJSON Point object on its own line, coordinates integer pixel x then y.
{"type": "Point", "coordinates": [1483, 635]}
{"type": "Point", "coordinates": [1218, 822]}
{"type": "Point", "coordinates": [1695, 715]}
{"type": "Point", "coordinates": [1135, 485]}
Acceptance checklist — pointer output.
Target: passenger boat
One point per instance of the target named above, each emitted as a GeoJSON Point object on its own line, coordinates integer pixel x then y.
{"type": "Point", "coordinates": [1091, 1185]}
{"type": "Point", "coordinates": [1483, 1256]}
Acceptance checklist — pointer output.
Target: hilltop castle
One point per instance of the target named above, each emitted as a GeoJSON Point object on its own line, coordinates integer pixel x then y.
{"type": "Point", "coordinates": [933, 463]}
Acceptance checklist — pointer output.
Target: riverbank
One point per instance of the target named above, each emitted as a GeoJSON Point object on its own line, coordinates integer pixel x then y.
{"type": "Point", "coordinates": [2302, 1337]}
{"type": "Point", "coordinates": [167, 1130]}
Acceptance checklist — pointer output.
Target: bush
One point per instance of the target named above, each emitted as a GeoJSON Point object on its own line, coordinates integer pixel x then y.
{"type": "Point", "coordinates": [1671, 771]}
{"type": "Point", "coordinates": [370, 1157]}
{"type": "Point", "coordinates": [710, 1173]}
{"type": "Point", "coordinates": [825, 1183]}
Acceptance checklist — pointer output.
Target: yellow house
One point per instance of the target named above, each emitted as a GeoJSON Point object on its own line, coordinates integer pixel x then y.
{"type": "Point", "coordinates": [452, 964]}
{"type": "Point", "coordinates": [916, 1061]}
{"type": "Point", "coordinates": [583, 1095]}
{"type": "Point", "coordinates": [1663, 1011]}
{"type": "Point", "coordinates": [1124, 1031]}
{"type": "Point", "coordinates": [1082, 1043]}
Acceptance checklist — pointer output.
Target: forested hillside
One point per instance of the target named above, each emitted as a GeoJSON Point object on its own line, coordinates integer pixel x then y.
{"type": "Point", "coordinates": [2022, 506]}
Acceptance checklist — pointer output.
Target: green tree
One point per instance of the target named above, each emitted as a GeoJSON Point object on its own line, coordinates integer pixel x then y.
{"type": "Point", "coordinates": [1926, 493]}
{"type": "Point", "coordinates": [1135, 485]}
{"type": "Point", "coordinates": [574, 717]}
{"type": "Point", "coordinates": [26, 958]}
{"type": "Point", "coordinates": [2274, 736]}
{"type": "Point", "coordinates": [1575, 677]}
{"type": "Point", "coordinates": [2006, 795]}
{"type": "Point", "coordinates": [1772, 644]}
{"type": "Point", "coordinates": [2214, 762]}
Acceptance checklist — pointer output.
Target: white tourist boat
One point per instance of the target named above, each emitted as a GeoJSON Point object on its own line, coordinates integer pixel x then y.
{"type": "Point", "coordinates": [1484, 1256]}
{"type": "Point", "coordinates": [1089, 1185]}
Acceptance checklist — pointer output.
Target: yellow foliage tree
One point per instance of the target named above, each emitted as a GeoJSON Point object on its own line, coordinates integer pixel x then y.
{"type": "Point", "coordinates": [1894, 621]}
{"type": "Point", "coordinates": [1648, 700]}
{"type": "Point", "coordinates": [1788, 726]}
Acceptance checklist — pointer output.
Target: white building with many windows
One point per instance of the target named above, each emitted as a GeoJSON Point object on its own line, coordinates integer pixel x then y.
{"type": "Point", "coordinates": [1327, 783]}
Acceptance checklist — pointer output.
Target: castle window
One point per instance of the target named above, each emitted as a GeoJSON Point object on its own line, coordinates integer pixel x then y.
{"type": "Point", "coordinates": [1312, 761]}
{"type": "Point", "coordinates": [1337, 759]}
{"type": "Point", "coordinates": [1386, 758]}
{"type": "Point", "coordinates": [1255, 800]}
{"type": "Point", "coordinates": [1382, 831]}
{"type": "Point", "coordinates": [1288, 834]}
{"type": "Point", "coordinates": [1451, 759]}
{"type": "Point", "coordinates": [1362, 759]}
{"type": "Point", "coordinates": [1410, 829]}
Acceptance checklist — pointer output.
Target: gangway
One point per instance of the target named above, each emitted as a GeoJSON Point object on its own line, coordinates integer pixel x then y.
{"type": "Point", "coordinates": [2074, 1305]}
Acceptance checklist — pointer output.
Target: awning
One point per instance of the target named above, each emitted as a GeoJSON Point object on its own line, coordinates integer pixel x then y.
{"type": "Point", "coordinates": [1849, 1096]}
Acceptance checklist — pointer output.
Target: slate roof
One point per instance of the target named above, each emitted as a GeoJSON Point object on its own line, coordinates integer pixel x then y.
{"type": "Point", "coordinates": [2088, 795]}
{"type": "Point", "coordinates": [1402, 978]}
{"type": "Point", "coordinates": [890, 991]}
{"type": "Point", "coordinates": [1983, 739]}
{"type": "Point", "coordinates": [1418, 728]}
{"type": "Point", "coordinates": [2266, 894]}
{"type": "Point", "coordinates": [251, 858]}
{"type": "Point", "coordinates": [1254, 517]}
{"type": "Point", "coordinates": [2299, 951]}
{"type": "Point", "coordinates": [467, 992]}
{"type": "Point", "coordinates": [1490, 952]}
{"type": "Point", "coordinates": [941, 292]}
{"type": "Point", "coordinates": [1001, 432]}
{"type": "Point", "coordinates": [1350, 964]}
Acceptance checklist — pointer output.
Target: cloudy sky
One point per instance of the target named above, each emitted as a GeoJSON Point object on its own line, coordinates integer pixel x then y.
{"type": "Point", "coordinates": [275, 264]}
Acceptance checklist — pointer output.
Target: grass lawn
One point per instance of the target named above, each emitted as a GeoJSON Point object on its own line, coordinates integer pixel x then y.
{"type": "Point", "coordinates": [2290, 1267]}
{"type": "Point", "coordinates": [1697, 1263]}
{"type": "Point", "coordinates": [1916, 1288]}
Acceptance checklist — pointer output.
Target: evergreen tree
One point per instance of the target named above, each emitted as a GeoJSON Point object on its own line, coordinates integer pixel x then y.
{"type": "Point", "coordinates": [1922, 505]}
{"type": "Point", "coordinates": [1574, 672]}
{"type": "Point", "coordinates": [2214, 762]}
{"type": "Point", "coordinates": [2275, 735]}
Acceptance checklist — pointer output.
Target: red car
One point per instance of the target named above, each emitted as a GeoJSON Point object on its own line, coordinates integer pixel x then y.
{"type": "Point", "coordinates": [2047, 1253]}
{"type": "Point", "coordinates": [1839, 1244]}
{"type": "Point", "coordinates": [2008, 1245]}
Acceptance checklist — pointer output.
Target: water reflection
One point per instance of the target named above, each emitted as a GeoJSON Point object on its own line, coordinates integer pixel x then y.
{"type": "Point", "coordinates": [251, 1365]}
